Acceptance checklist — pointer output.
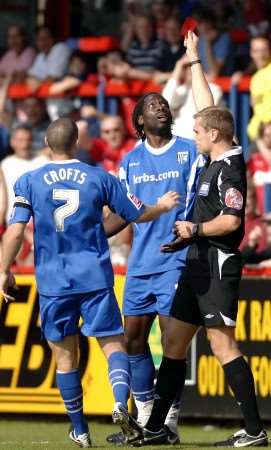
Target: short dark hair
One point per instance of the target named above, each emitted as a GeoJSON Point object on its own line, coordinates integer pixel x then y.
{"type": "Point", "coordinates": [219, 118]}
{"type": "Point", "coordinates": [138, 111]}
{"type": "Point", "coordinates": [21, 127]}
{"type": "Point", "coordinates": [61, 135]}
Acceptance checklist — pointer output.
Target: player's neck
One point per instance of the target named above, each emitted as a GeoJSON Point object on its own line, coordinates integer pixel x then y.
{"type": "Point", "coordinates": [219, 149]}
{"type": "Point", "coordinates": [157, 141]}
{"type": "Point", "coordinates": [62, 156]}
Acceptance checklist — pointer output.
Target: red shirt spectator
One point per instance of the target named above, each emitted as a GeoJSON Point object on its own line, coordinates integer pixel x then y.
{"type": "Point", "coordinates": [116, 143]}
{"type": "Point", "coordinates": [259, 165]}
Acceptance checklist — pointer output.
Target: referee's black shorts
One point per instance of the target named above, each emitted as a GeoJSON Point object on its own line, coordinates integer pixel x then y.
{"type": "Point", "coordinates": [208, 289]}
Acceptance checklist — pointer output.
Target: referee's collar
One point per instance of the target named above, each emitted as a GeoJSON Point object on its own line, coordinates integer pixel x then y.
{"type": "Point", "coordinates": [232, 152]}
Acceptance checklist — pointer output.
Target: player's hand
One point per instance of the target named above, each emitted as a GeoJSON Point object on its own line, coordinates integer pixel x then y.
{"type": "Point", "coordinates": [175, 245]}
{"type": "Point", "coordinates": [169, 200]}
{"type": "Point", "coordinates": [7, 280]}
{"type": "Point", "coordinates": [184, 229]}
{"type": "Point", "coordinates": [191, 44]}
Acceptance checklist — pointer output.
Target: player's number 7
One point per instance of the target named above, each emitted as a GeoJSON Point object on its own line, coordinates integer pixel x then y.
{"type": "Point", "coordinates": [71, 197]}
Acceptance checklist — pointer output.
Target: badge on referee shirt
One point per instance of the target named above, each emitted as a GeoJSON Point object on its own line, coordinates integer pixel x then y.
{"type": "Point", "coordinates": [233, 198]}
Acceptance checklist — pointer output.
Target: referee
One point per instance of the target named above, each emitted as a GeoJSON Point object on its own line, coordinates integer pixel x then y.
{"type": "Point", "coordinates": [208, 289]}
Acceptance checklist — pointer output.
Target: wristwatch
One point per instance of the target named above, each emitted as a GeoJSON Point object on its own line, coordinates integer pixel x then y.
{"type": "Point", "coordinates": [195, 229]}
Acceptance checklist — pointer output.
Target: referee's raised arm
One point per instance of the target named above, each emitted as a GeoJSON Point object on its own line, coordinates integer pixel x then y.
{"type": "Point", "coordinates": [202, 94]}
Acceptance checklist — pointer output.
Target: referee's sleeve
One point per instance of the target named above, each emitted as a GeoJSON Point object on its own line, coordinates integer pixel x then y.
{"type": "Point", "coordinates": [232, 190]}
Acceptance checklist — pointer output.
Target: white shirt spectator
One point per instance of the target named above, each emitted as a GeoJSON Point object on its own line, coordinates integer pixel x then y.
{"type": "Point", "coordinates": [13, 167]}
{"type": "Point", "coordinates": [181, 102]}
{"type": "Point", "coordinates": [51, 65]}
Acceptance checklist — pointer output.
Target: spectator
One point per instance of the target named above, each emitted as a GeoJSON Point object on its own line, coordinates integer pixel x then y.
{"type": "Point", "coordinates": [215, 47]}
{"type": "Point", "coordinates": [259, 167]}
{"type": "Point", "coordinates": [162, 10]}
{"type": "Point", "coordinates": [260, 86]}
{"type": "Point", "coordinates": [77, 72]}
{"type": "Point", "coordinates": [90, 150]}
{"type": "Point", "coordinates": [257, 16]}
{"type": "Point", "coordinates": [253, 252]}
{"type": "Point", "coordinates": [146, 52]}
{"type": "Point", "coordinates": [12, 167]}
{"type": "Point", "coordinates": [52, 60]}
{"type": "Point", "coordinates": [117, 145]}
{"type": "Point", "coordinates": [18, 58]}
{"type": "Point", "coordinates": [175, 45]}
{"type": "Point", "coordinates": [22, 160]}
{"type": "Point", "coordinates": [254, 225]}
{"type": "Point", "coordinates": [178, 93]}
{"type": "Point", "coordinates": [34, 113]}
{"type": "Point", "coordinates": [145, 56]}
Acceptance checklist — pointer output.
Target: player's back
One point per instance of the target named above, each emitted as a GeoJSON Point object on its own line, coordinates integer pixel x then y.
{"type": "Point", "coordinates": [71, 250]}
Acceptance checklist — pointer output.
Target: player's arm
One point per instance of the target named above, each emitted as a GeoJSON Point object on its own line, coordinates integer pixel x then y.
{"type": "Point", "coordinates": [113, 224]}
{"type": "Point", "coordinates": [164, 204]}
{"type": "Point", "coordinates": [202, 94]}
{"type": "Point", "coordinates": [11, 244]}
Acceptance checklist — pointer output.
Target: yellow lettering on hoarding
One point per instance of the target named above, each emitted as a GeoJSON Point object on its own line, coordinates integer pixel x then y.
{"type": "Point", "coordinates": [210, 377]}
{"type": "Point", "coordinates": [240, 330]}
{"type": "Point", "coordinates": [255, 320]}
{"type": "Point", "coordinates": [266, 326]}
{"type": "Point", "coordinates": [261, 369]}
{"type": "Point", "coordinates": [260, 320]}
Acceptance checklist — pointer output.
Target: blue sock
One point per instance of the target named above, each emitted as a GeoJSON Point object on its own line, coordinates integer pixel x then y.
{"type": "Point", "coordinates": [69, 385]}
{"type": "Point", "coordinates": [143, 373]}
{"type": "Point", "coordinates": [119, 376]}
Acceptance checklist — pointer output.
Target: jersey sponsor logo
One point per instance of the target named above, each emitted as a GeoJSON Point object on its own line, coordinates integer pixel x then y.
{"type": "Point", "coordinates": [182, 157]}
{"type": "Point", "coordinates": [133, 164]}
{"type": "Point", "coordinates": [204, 189]}
{"type": "Point", "coordinates": [133, 198]}
{"type": "Point", "coordinates": [146, 178]}
{"type": "Point", "coordinates": [234, 199]}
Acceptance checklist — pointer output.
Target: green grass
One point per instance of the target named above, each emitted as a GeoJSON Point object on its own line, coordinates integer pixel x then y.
{"type": "Point", "coordinates": [52, 435]}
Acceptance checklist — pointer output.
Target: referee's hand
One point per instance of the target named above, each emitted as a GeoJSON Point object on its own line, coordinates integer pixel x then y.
{"type": "Point", "coordinates": [184, 229]}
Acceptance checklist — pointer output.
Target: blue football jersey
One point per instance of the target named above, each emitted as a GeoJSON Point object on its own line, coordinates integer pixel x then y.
{"type": "Point", "coordinates": [66, 200]}
{"type": "Point", "coordinates": [149, 173]}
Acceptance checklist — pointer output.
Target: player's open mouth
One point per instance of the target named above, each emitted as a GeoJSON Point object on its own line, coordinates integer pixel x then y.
{"type": "Point", "coordinates": [162, 117]}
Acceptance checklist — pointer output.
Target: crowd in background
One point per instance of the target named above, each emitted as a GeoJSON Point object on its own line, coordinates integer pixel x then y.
{"type": "Point", "coordinates": [234, 41]}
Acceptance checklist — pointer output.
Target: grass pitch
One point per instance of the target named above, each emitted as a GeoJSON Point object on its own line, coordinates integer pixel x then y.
{"type": "Point", "coordinates": [52, 435]}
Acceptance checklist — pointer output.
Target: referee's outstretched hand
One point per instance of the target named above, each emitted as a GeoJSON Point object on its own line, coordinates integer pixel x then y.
{"type": "Point", "coordinates": [191, 44]}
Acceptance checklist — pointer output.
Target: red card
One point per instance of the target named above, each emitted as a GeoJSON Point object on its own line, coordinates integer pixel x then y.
{"type": "Point", "coordinates": [190, 24]}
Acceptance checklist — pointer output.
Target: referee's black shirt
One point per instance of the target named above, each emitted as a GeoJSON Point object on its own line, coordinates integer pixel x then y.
{"type": "Point", "coordinates": [222, 189]}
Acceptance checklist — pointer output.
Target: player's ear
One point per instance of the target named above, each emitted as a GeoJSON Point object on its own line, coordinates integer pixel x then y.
{"type": "Point", "coordinates": [46, 142]}
{"type": "Point", "coordinates": [214, 134]}
{"type": "Point", "coordinates": [140, 120]}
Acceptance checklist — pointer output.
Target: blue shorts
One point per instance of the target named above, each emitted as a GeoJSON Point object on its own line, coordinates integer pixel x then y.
{"type": "Point", "coordinates": [149, 294]}
{"type": "Point", "coordinates": [99, 310]}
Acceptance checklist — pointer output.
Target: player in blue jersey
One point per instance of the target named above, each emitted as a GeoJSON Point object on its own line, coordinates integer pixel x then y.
{"type": "Point", "coordinates": [160, 162]}
{"type": "Point", "coordinates": [73, 269]}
